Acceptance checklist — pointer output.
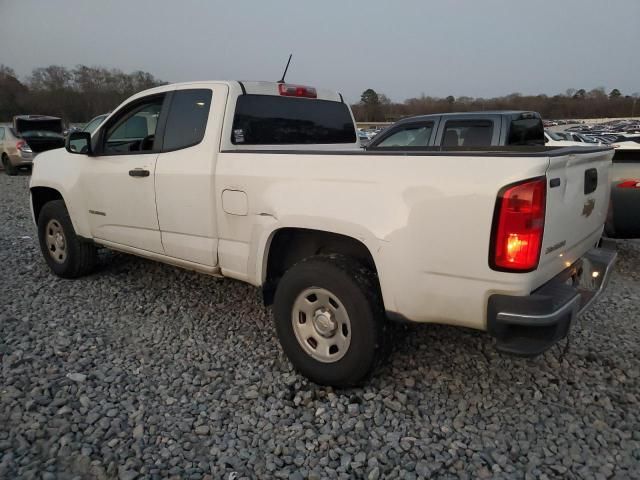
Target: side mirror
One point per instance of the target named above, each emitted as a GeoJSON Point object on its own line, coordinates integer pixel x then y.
{"type": "Point", "coordinates": [546, 140]}
{"type": "Point", "coordinates": [79, 142]}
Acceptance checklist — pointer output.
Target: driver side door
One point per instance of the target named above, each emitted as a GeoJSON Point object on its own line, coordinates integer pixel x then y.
{"type": "Point", "coordinates": [120, 176]}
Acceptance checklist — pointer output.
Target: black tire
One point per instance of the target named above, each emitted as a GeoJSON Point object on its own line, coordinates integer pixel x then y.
{"type": "Point", "coordinates": [356, 287]}
{"type": "Point", "coordinates": [8, 168]}
{"type": "Point", "coordinates": [80, 256]}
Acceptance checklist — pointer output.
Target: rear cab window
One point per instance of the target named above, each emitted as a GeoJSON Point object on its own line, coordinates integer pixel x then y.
{"type": "Point", "coordinates": [467, 133]}
{"type": "Point", "coordinates": [527, 129]}
{"type": "Point", "coordinates": [281, 120]}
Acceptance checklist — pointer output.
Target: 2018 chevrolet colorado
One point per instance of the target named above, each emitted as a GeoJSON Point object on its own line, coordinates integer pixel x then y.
{"type": "Point", "coordinates": [265, 183]}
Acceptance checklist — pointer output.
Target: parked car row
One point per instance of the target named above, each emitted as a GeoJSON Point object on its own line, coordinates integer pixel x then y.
{"type": "Point", "coordinates": [619, 126]}
{"type": "Point", "coordinates": [554, 123]}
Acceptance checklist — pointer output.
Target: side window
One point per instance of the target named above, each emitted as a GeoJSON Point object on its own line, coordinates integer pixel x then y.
{"type": "Point", "coordinates": [134, 129]}
{"type": "Point", "coordinates": [187, 119]}
{"type": "Point", "coordinates": [409, 136]}
{"type": "Point", "coordinates": [1, 133]}
{"type": "Point", "coordinates": [467, 133]}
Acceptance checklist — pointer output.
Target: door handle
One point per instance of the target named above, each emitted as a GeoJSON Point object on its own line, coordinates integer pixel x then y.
{"type": "Point", "coordinates": [138, 172]}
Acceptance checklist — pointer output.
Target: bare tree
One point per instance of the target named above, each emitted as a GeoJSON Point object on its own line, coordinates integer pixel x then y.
{"type": "Point", "coordinates": [574, 103]}
{"type": "Point", "coordinates": [76, 95]}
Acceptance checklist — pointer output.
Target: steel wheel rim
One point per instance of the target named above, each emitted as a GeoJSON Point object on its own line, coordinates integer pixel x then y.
{"type": "Point", "coordinates": [56, 241]}
{"type": "Point", "coordinates": [321, 325]}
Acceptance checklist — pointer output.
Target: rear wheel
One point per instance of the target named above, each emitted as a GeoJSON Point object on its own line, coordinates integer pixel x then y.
{"type": "Point", "coordinates": [330, 319]}
{"type": "Point", "coordinates": [67, 255]}
{"type": "Point", "coordinates": [9, 169]}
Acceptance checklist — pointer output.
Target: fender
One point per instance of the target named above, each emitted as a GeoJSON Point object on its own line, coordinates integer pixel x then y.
{"type": "Point", "coordinates": [265, 231]}
{"type": "Point", "coordinates": [60, 171]}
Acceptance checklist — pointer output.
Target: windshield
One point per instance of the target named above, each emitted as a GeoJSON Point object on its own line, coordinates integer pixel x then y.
{"type": "Point", "coordinates": [587, 139]}
{"type": "Point", "coordinates": [555, 136]}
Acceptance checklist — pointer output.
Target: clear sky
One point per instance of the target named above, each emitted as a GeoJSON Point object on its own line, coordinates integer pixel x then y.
{"type": "Point", "coordinates": [402, 48]}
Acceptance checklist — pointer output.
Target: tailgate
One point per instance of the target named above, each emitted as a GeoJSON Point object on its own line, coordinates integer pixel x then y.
{"type": "Point", "coordinates": [578, 191]}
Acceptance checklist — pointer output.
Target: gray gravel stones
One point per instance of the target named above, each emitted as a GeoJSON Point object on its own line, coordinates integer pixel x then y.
{"type": "Point", "coordinates": [77, 377]}
{"type": "Point", "coordinates": [184, 378]}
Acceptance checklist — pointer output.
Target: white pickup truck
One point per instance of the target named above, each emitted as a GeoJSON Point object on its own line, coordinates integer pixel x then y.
{"type": "Point", "coordinates": [266, 183]}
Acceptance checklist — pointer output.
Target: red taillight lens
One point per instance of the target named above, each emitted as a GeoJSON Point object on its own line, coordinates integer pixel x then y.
{"type": "Point", "coordinates": [630, 184]}
{"type": "Point", "coordinates": [288, 90]}
{"type": "Point", "coordinates": [23, 146]}
{"type": "Point", "coordinates": [518, 226]}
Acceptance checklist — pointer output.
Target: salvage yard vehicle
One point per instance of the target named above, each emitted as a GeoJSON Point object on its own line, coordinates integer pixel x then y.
{"type": "Point", "coordinates": [265, 183]}
{"type": "Point", "coordinates": [466, 129]}
{"type": "Point", "coordinates": [29, 135]}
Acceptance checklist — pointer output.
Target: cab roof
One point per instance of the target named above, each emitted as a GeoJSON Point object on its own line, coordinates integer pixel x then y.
{"type": "Point", "coordinates": [239, 87]}
{"type": "Point", "coordinates": [483, 113]}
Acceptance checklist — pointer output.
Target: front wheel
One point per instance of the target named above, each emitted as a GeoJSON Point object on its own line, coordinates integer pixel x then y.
{"type": "Point", "coordinates": [67, 255]}
{"type": "Point", "coordinates": [330, 319]}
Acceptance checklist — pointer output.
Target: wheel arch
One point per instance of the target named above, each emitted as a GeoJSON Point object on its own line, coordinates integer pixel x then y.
{"type": "Point", "coordinates": [40, 196]}
{"type": "Point", "coordinates": [288, 245]}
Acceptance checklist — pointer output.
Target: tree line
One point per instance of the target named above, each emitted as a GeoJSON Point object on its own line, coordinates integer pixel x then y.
{"type": "Point", "coordinates": [83, 92]}
{"type": "Point", "coordinates": [574, 103]}
{"type": "Point", "coordinates": [75, 95]}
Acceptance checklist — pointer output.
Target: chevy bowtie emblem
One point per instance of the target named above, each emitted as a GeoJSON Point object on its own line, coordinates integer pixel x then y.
{"type": "Point", "coordinates": [588, 207]}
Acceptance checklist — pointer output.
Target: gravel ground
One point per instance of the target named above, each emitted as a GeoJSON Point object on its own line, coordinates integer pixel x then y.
{"type": "Point", "coordinates": [147, 371]}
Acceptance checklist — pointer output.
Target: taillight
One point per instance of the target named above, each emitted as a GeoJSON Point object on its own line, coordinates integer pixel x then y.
{"type": "Point", "coordinates": [289, 90]}
{"type": "Point", "coordinates": [23, 146]}
{"type": "Point", "coordinates": [518, 226]}
{"type": "Point", "coordinates": [629, 184]}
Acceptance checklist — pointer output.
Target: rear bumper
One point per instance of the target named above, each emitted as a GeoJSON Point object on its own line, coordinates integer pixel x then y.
{"type": "Point", "coordinates": [529, 325]}
{"type": "Point", "coordinates": [22, 159]}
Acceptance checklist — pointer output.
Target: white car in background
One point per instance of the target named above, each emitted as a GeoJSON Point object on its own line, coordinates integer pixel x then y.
{"type": "Point", "coordinates": [553, 139]}
{"type": "Point", "coordinates": [629, 145]}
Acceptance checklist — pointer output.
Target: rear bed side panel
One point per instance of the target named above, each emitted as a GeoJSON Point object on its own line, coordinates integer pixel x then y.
{"type": "Point", "coordinates": [425, 218]}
